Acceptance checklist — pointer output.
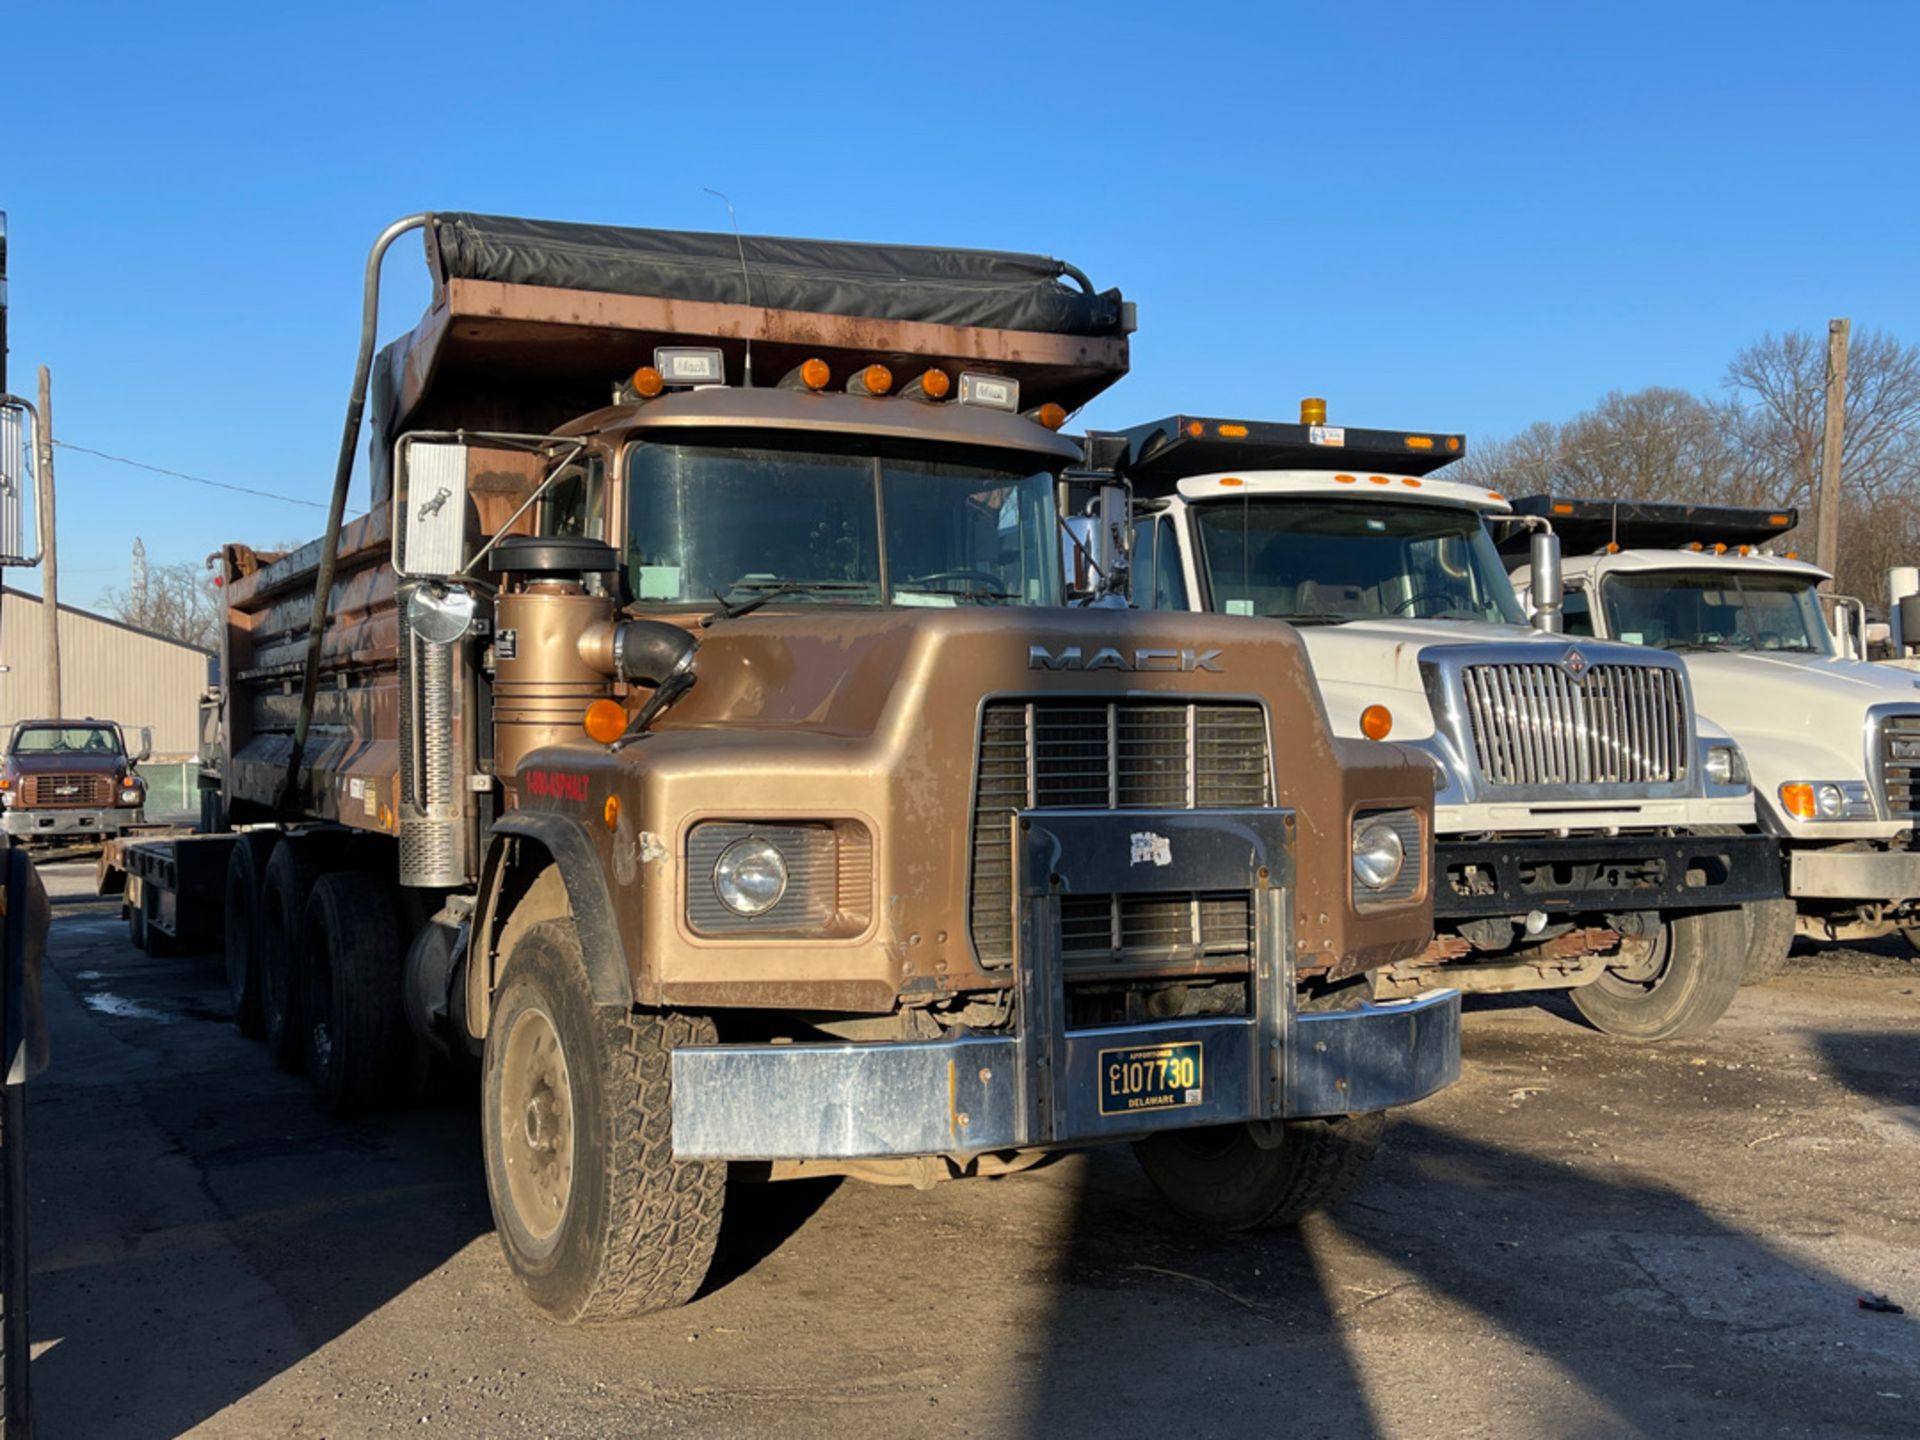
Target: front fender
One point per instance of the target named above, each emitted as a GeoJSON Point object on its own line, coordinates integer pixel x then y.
{"type": "Point", "coordinates": [566, 843]}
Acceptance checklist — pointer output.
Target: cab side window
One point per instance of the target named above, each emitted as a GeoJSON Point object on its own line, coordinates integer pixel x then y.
{"type": "Point", "coordinates": [573, 503]}
{"type": "Point", "coordinates": [1576, 614]}
{"type": "Point", "coordinates": [1158, 583]}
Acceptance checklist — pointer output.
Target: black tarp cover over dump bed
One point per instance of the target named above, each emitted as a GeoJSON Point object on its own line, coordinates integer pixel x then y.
{"type": "Point", "coordinates": [990, 289]}
{"type": "Point", "coordinates": [534, 321]}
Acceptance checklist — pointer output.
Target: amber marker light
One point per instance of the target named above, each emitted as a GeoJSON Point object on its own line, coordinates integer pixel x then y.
{"type": "Point", "coordinates": [1798, 800]}
{"type": "Point", "coordinates": [1410, 482]}
{"type": "Point", "coordinates": [1561, 507]}
{"type": "Point", "coordinates": [1196, 429]}
{"type": "Point", "coordinates": [934, 384]}
{"type": "Point", "coordinates": [1379, 480]}
{"type": "Point", "coordinates": [1453, 442]}
{"type": "Point", "coordinates": [1313, 411]}
{"type": "Point", "coordinates": [1231, 480]}
{"type": "Point", "coordinates": [1234, 432]}
{"type": "Point", "coordinates": [1776, 519]}
{"type": "Point", "coordinates": [1050, 415]}
{"type": "Point", "coordinates": [1419, 442]}
{"type": "Point", "coordinates": [605, 721]}
{"type": "Point", "coordinates": [1346, 479]}
{"type": "Point", "coordinates": [814, 374]}
{"type": "Point", "coordinates": [1376, 722]}
{"type": "Point", "coordinates": [610, 812]}
{"type": "Point", "coordinates": [647, 382]}
{"type": "Point", "coordinates": [126, 782]}
{"type": "Point", "coordinates": [876, 379]}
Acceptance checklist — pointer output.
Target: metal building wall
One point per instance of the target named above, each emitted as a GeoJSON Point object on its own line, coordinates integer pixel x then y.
{"type": "Point", "coordinates": [108, 670]}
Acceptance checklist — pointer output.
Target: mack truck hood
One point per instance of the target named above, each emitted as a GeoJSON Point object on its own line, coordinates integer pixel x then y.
{"type": "Point", "coordinates": [894, 704]}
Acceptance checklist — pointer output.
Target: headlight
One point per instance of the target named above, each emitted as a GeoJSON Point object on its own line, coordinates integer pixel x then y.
{"type": "Point", "coordinates": [750, 876]}
{"type": "Point", "coordinates": [1726, 765]}
{"type": "Point", "coordinates": [1378, 855]}
{"type": "Point", "coordinates": [1827, 800]}
{"type": "Point", "coordinates": [133, 796]}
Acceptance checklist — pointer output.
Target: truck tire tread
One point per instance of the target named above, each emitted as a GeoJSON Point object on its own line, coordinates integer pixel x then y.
{"type": "Point", "coordinates": [1770, 934]}
{"type": "Point", "coordinates": [650, 1222]}
{"type": "Point", "coordinates": [1706, 964]}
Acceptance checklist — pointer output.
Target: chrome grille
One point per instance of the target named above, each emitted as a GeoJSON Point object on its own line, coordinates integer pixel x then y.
{"type": "Point", "coordinates": [1155, 932]}
{"type": "Point", "coordinates": [71, 792]}
{"type": "Point", "coordinates": [1117, 755]}
{"type": "Point", "coordinates": [1900, 765]}
{"type": "Point", "coordinates": [1612, 724]}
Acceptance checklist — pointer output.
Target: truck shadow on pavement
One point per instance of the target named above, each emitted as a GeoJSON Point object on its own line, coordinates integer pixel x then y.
{"type": "Point", "coordinates": [1565, 1291]}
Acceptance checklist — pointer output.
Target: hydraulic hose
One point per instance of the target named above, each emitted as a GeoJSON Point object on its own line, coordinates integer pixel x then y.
{"type": "Point", "coordinates": [337, 509]}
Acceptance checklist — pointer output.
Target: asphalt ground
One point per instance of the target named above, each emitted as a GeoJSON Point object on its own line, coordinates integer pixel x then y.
{"type": "Point", "coordinates": [1582, 1238]}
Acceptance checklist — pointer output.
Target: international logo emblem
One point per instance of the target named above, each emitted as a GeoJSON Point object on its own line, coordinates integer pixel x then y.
{"type": "Point", "coordinates": [1574, 663]}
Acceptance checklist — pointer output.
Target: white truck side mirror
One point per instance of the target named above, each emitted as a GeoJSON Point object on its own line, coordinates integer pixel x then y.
{"type": "Point", "coordinates": [19, 429]}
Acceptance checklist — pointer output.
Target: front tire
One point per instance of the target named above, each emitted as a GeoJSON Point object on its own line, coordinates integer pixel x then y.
{"type": "Point", "coordinates": [597, 1219]}
{"type": "Point", "coordinates": [1698, 972]}
{"type": "Point", "coordinates": [1771, 926]}
{"type": "Point", "coordinates": [1220, 1175]}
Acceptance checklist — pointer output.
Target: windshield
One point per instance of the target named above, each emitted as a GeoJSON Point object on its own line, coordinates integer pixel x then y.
{"type": "Point", "coordinates": [851, 526]}
{"type": "Point", "coordinates": [1313, 559]}
{"type": "Point", "coordinates": [1715, 610]}
{"type": "Point", "coordinates": [66, 739]}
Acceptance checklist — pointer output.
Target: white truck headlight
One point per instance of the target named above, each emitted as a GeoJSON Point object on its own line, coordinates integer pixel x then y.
{"type": "Point", "coordinates": [1827, 800]}
{"type": "Point", "coordinates": [1378, 854]}
{"type": "Point", "coordinates": [750, 876]}
{"type": "Point", "coordinates": [1726, 765]}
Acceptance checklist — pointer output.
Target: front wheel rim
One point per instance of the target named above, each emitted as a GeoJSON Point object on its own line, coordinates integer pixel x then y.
{"type": "Point", "coordinates": [536, 1124]}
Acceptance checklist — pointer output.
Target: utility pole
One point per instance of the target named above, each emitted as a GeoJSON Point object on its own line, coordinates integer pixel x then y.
{"type": "Point", "coordinates": [1831, 435]}
{"type": "Point", "coordinates": [50, 586]}
{"type": "Point", "coordinates": [3, 302]}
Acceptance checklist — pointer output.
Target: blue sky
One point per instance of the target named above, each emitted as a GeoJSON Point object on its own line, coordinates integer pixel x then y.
{"type": "Point", "coordinates": [1444, 215]}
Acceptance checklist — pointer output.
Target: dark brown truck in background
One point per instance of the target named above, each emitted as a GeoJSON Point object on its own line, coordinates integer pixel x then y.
{"type": "Point", "coordinates": [696, 733]}
{"type": "Point", "coordinates": [70, 782]}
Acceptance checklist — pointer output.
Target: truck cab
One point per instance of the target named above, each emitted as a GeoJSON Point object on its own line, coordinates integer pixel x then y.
{"type": "Point", "coordinates": [1595, 831]}
{"type": "Point", "coordinates": [701, 686]}
{"type": "Point", "coordinates": [1833, 742]}
{"type": "Point", "coordinates": [70, 781]}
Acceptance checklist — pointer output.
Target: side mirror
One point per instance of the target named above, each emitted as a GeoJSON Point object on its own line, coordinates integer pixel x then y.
{"type": "Point", "coordinates": [146, 744]}
{"type": "Point", "coordinates": [430, 509]}
{"type": "Point", "coordinates": [1079, 539]}
{"type": "Point", "coordinates": [1545, 589]}
{"type": "Point", "coordinates": [19, 429]}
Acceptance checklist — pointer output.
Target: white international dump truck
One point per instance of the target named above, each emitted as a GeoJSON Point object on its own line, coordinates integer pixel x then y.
{"type": "Point", "coordinates": [1833, 742]}
{"type": "Point", "coordinates": [1593, 831]}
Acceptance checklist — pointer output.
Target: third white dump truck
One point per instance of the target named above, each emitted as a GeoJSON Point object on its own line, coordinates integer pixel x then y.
{"type": "Point", "coordinates": [1833, 742]}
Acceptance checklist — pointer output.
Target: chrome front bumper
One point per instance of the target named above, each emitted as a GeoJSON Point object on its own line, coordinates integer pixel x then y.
{"type": "Point", "coordinates": [98, 820]}
{"type": "Point", "coordinates": [1041, 1084]}
{"type": "Point", "coordinates": [1878, 875]}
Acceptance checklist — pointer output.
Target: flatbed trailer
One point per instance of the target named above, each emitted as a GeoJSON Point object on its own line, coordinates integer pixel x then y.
{"type": "Point", "coordinates": [170, 880]}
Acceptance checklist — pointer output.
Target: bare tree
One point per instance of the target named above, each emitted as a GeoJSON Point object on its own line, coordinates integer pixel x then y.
{"type": "Point", "coordinates": [1648, 444]}
{"type": "Point", "coordinates": [177, 600]}
{"type": "Point", "coordinates": [1779, 383]}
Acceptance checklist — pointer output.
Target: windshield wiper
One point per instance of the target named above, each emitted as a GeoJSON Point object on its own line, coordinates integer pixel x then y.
{"type": "Point", "coordinates": [1309, 617]}
{"type": "Point", "coordinates": [979, 596]}
{"type": "Point", "coordinates": [769, 590]}
{"type": "Point", "coordinates": [1684, 645]}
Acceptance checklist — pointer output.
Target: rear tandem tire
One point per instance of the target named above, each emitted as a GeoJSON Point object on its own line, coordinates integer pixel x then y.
{"type": "Point", "coordinates": [1706, 959]}
{"type": "Point", "coordinates": [597, 1218]}
{"type": "Point", "coordinates": [240, 929]}
{"type": "Point", "coordinates": [1771, 927]}
{"type": "Point", "coordinates": [1219, 1175]}
{"type": "Point", "coordinates": [297, 862]}
{"type": "Point", "coordinates": [358, 1052]}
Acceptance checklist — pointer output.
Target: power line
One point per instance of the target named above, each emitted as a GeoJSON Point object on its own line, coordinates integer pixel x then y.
{"type": "Point", "coordinates": [182, 475]}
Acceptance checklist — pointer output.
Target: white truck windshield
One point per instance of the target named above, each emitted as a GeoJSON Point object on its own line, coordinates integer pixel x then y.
{"type": "Point", "coordinates": [1715, 610]}
{"type": "Point", "coordinates": [840, 527]}
{"type": "Point", "coordinates": [1312, 559]}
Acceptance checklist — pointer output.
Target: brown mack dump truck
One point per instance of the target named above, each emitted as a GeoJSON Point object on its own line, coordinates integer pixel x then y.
{"type": "Point", "coordinates": [696, 733]}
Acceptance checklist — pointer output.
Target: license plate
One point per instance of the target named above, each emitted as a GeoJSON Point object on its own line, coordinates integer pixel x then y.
{"type": "Point", "coordinates": [1142, 1078]}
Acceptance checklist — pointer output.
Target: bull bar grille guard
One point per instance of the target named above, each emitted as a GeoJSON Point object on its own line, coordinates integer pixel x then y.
{"type": "Point", "coordinates": [1039, 1085]}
